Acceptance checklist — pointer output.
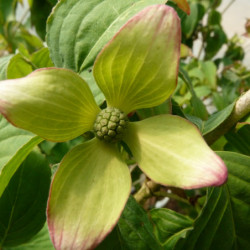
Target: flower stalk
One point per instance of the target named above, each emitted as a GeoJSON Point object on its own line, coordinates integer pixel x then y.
{"type": "Point", "coordinates": [241, 109]}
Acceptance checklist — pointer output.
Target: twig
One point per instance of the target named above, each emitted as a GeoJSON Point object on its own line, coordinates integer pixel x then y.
{"type": "Point", "coordinates": [227, 7]}
{"type": "Point", "coordinates": [241, 109]}
{"type": "Point", "coordinates": [146, 191]}
{"type": "Point", "coordinates": [171, 196]}
{"type": "Point", "coordinates": [201, 49]}
{"type": "Point", "coordinates": [150, 189]}
{"type": "Point", "coordinates": [21, 22]}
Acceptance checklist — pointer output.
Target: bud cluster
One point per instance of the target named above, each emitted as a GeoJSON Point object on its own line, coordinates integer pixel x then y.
{"type": "Point", "coordinates": [110, 125]}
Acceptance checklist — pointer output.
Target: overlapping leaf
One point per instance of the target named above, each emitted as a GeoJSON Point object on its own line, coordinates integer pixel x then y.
{"type": "Point", "coordinates": [15, 145]}
{"type": "Point", "coordinates": [23, 203]}
{"type": "Point", "coordinates": [224, 221]}
{"type": "Point", "coordinates": [77, 30]}
{"type": "Point", "coordinates": [136, 228]}
{"type": "Point", "coordinates": [170, 226]}
{"type": "Point", "coordinates": [39, 241]}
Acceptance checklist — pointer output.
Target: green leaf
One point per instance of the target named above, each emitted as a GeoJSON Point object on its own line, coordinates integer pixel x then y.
{"type": "Point", "coordinates": [170, 226]}
{"type": "Point", "coordinates": [41, 58]}
{"type": "Point", "coordinates": [195, 120]}
{"type": "Point", "coordinates": [199, 108]}
{"type": "Point", "coordinates": [214, 18]}
{"type": "Point", "coordinates": [87, 75]}
{"type": "Point", "coordinates": [54, 103]}
{"type": "Point", "coordinates": [40, 11]}
{"type": "Point", "coordinates": [224, 221]}
{"type": "Point", "coordinates": [18, 34]}
{"type": "Point", "coordinates": [127, 70]}
{"type": "Point", "coordinates": [197, 74]}
{"type": "Point", "coordinates": [216, 119]}
{"type": "Point", "coordinates": [113, 241]}
{"type": "Point", "coordinates": [210, 71]}
{"type": "Point", "coordinates": [7, 10]}
{"type": "Point", "coordinates": [23, 202]}
{"type": "Point", "coordinates": [240, 140]}
{"type": "Point", "coordinates": [39, 241]}
{"type": "Point", "coordinates": [4, 61]}
{"type": "Point", "coordinates": [185, 51]}
{"type": "Point", "coordinates": [15, 145]}
{"type": "Point", "coordinates": [18, 67]}
{"type": "Point", "coordinates": [171, 151]}
{"type": "Point", "coordinates": [135, 227]}
{"type": "Point", "coordinates": [134, 230]}
{"type": "Point", "coordinates": [202, 91]}
{"type": "Point", "coordinates": [189, 22]}
{"type": "Point", "coordinates": [23, 64]}
{"type": "Point", "coordinates": [215, 38]}
{"type": "Point", "coordinates": [92, 24]}
{"type": "Point", "coordinates": [56, 151]}
{"type": "Point", "coordinates": [93, 178]}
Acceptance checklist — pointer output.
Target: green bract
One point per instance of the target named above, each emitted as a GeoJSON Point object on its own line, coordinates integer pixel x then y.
{"type": "Point", "coordinates": [136, 69]}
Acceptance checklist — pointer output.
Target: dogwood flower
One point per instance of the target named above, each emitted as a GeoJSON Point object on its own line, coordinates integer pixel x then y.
{"type": "Point", "coordinates": [137, 69]}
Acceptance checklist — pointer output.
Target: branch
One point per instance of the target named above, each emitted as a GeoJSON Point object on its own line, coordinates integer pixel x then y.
{"type": "Point", "coordinates": [146, 191]}
{"type": "Point", "coordinates": [227, 7]}
{"type": "Point", "coordinates": [150, 189]}
{"type": "Point", "coordinates": [241, 109]}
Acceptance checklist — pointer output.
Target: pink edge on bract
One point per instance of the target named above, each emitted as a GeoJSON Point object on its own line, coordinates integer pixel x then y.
{"type": "Point", "coordinates": [68, 238]}
{"type": "Point", "coordinates": [99, 239]}
{"type": "Point", "coordinates": [4, 112]}
{"type": "Point", "coordinates": [3, 104]}
{"type": "Point", "coordinates": [219, 177]}
{"type": "Point", "coordinates": [171, 151]}
{"type": "Point", "coordinates": [166, 10]}
{"type": "Point", "coordinates": [48, 68]}
{"type": "Point", "coordinates": [57, 243]}
{"type": "Point", "coordinates": [222, 176]}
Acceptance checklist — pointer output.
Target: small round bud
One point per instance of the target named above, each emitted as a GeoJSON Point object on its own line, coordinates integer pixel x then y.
{"type": "Point", "coordinates": [110, 125]}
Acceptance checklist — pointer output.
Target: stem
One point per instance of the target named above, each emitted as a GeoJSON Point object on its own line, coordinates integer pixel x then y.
{"type": "Point", "coordinates": [146, 191]}
{"type": "Point", "coordinates": [201, 49]}
{"type": "Point", "coordinates": [227, 7]}
{"type": "Point", "coordinates": [171, 196]}
{"type": "Point", "coordinates": [150, 188]}
{"type": "Point", "coordinates": [21, 21]}
{"type": "Point", "coordinates": [241, 109]}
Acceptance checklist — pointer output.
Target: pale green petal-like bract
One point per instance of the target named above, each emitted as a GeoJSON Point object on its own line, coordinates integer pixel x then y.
{"type": "Point", "coordinates": [53, 103]}
{"type": "Point", "coordinates": [171, 151]}
{"type": "Point", "coordinates": [88, 194]}
{"type": "Point", "coordinates": [138, 67]}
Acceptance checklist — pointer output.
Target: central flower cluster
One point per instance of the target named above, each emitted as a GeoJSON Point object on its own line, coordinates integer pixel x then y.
{"type": "Point", "coordinates": [110, 124]}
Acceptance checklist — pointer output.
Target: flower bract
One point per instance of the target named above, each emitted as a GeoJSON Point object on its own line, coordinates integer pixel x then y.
{"type": "Point", "coordinates": [137, 69]}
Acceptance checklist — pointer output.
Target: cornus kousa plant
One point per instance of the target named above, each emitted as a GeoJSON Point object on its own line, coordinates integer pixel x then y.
{"type": "Point", "coordinates": [137, 69]}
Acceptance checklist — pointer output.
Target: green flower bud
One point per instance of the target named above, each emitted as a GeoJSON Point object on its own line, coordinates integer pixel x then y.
{"type": "Point", "coordinates": [110, 125]}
